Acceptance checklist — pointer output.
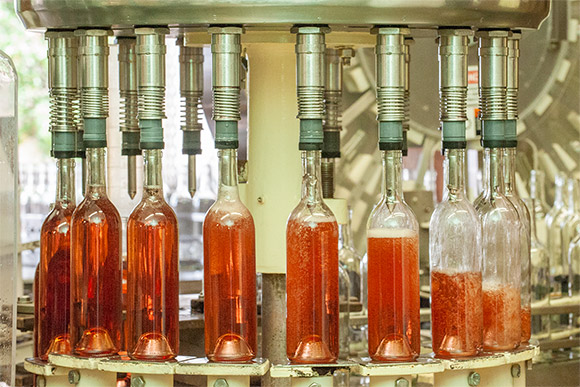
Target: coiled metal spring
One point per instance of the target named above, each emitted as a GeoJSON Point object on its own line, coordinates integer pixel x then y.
{"type": "Point", "coordinates": [129, 110]}
{"type": "Point", "coordinates": [391, 103]}
{"type": "Point", "coordinates": [493, 103]}
{"type": "Point", "coordinates": [512, 103]}
{"type": "Point", "coordinates": [310, 102]}
{"type": "Point", "coordinates": [333, 113]}
{"type": "Point", "coordinates": [94, 102]}
{"type": "Point", "coordinates": [63, 109]}
{"type": "Point", "coordinates": [151, 102]}
{"type": "Point", "coordinates": [191, 110]}
{"type": "Point", "coordinates": [226, 103]}
{"type": "Point", "coordinates": [453, 103]}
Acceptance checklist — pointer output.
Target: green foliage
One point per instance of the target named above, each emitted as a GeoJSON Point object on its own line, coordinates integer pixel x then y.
{"type": "Point", "coordinates": [28, 51]}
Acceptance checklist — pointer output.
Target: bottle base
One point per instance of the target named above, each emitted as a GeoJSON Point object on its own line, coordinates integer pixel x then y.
{"type": "Point", "coordinates": [96, 342]}
{"type": "Point", "coordinates": [152, 346]}
{"type": "Point", "coordinates": [59, 345]}
{"type": "Point", "coordinates": [312, 350]}
{"type": "Point", "coordinates": [231, 348]}
{"type": "Point", "coordinates": [394, 347]}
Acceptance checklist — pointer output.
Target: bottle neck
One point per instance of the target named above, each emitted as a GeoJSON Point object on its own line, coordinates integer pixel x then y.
{"type": "Point", "coordinates": [228, 174]}
{"type": "Point", "coordinates": [493, 167]}
{"type": "Point", "coordinates": [454, 172]}
{"type": "Point", "coordinates": [392, 185]}
{"type": "Point", "coordinates": [532, 210]}
{"type": "Point", "coordinates": [65, 182]}
{"type": "Point", "coordinates": [559, 191]}
{"type": "Point", "coordinates": [509, 161]}
{"type": "Point", "coordinates": [153, 181]}
{"type": "Point", "coordinates": [96, 175]}
{"type": "Point", "coordinates": [537, 191]}
{"type": "Point", "coordinates": [311, 181]}
{"type": "Point", "coordinates": [574, 195]}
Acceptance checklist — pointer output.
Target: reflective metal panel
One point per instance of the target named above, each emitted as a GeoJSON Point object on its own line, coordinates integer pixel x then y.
{"type": "Point", "coordinates": [38, 14]}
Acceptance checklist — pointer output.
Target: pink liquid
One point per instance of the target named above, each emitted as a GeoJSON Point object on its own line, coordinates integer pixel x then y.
{"type": "Point", "coordinates": [501, 318]}
{"type": "Point", "coordinates": [526, 316]}
{"type": "Point", "coordinates": [393, 295]}
{"type": "Point", "coordinates": [456, 314]}
{"type": "Point", "coordinates": [312, 292]}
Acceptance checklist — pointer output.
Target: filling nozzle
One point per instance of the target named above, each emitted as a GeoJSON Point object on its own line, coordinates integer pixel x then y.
{"type": "Point", "coordinates": [191, 80]}
{"type": "Point", "coordinates": [226, 51]}
{"type": "Point", "coordinates": [493, 53]}
{"type": "Point", "coordinates": [63, 91]}
{"type": "Point", "coordinates": [513, 84]}
{"type": "Point", "coordinates": [390, 58]}
{"type": "Point", "coordinates": [129, 124]}
{"type": "Point", "coordinates": [453, 49]}
{"type": "Point", "coordinates": [311, 77]}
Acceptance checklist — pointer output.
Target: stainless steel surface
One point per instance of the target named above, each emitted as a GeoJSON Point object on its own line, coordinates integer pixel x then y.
{"type": "Point", "coordinates": [493, 54]}
{"type": "Point", "coordinates": [453, 48]}
{"type": "Point", "coordinates": [513, 75]}
{"type": "Point", "coordinates": [37, 14]}
{"type": "Point", "coordinates": [151, 51]}
{"type": "Point", "coordinates": [327, 176]}
{"type": "Point", "coordinates": [310, 71]}
{"type": "Point", "coordinates": [226, 50]}
{"type": "Point", "coordinates": [94, 72]}
{"type": "Point", "coordinates": [390, 51]}
{"type": "Point", "coordinates": [407, 93]}
{"type": "Point", "coordinates": [333, 90]}
{"type": "Point", "coordinates": [132, 176]}
{"type": "Point", "coordinates": [274, 324]}
{"type": "Point", "coordinates": [191, 175]}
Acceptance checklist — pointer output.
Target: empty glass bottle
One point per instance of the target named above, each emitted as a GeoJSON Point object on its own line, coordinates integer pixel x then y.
{"type": "Point", "coordinates": [538, 194]}
{"type": "Point", "coordinates": [96, 267]}
{"type": "Point", "coordinates": [229, 271]}
{"type": "Point", "coordinates": [152, 271]}
{"type": "Point", "coordinates": [53, 299]}
{"type": "Point", "coordinates": [540, 276]}
{"type": "Point", "coordinates": [344, 306]}
{"type": "Point", "coordinates": [501, 279]}
{"type": "Point", "coordinates": [393, 271]}
{"type": "Point", "coordinates": [455, 263]}
{"type": "Point", "coordinates": [571, 222]}
{"type": "Point", "coordinates": [312, 301]}
{"type": "Point", "coordinates": [350, 258]}
{"type": "Point", "coordinates": [509, 172]}
{"type": "Point", "coordinates": [554, 220]}
{"type": "Point", "coordinates": [574, 263]}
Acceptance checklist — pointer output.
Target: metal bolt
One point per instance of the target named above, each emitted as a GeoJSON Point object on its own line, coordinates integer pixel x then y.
{"type": "Point", "coordinates": [314, 385]}
{"type": "Point", "coordinates": [74, 377]}
{"type": "Point", "coordinates": [138, 381]}
{"type": "Point", "coordinates": [473, 379]}
{"type": "Point", "coordinates": [40, 381]}
{"type": "Point", "coordinates": [220, 383]}
{"type": "Point", "coordinates": [24, 300]}
{"type": "Point", "coordinates": [516, 371]}
{"type": "Point", "coordinates": [401, 382]}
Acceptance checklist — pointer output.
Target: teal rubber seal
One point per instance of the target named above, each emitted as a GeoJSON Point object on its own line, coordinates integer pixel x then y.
{"type": "Point", "coordinates": [191, 142]}
{"type": "Point", "coordinates": [130, 144]}
{"type": "Point", "coordinates": [405, 144]}
{"type": "Point", "coordinates": [80, 144]}
{"type": "Point", "coordinates": [226, 134]}
{"type": "Point", "coordinates": [331, 145]}
{"type": "Point", "coordinates": [95, 132]}
{"type": "Point", "coordinates": [493, 133]}
{"type": "Point", "coordinates": [311, 135]}
{"type": "Point", "coordinates": [151, 134]}
{"type": "Point", "coordinates": [63, 145]}
{"type": "Point", "coordinates": [390, 135]}
{"type": "Point", "coordinates": [511, 133]}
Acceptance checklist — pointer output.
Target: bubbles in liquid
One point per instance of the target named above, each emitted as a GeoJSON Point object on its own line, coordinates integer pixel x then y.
{"type": "Point", "coordinates": [95, 342]}
{"type": "Point", "coordinates": [312, 349]}
{"type": "Point", "coordinates": [152, 346]}
{"type": "Point", "coordinates": [232, 347]}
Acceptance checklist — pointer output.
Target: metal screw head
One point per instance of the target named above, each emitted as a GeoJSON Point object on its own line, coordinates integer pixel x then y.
{"type": "Point", "coordinates": [401, 382]}
{"type": "Point", "coordinates": [473, 379]}
{"type": "Point", "coordinates": [40, 381]}
{"type": "Point", "coordinates": [74, 377]}
{"type": "Point", "coordinates": [138, 381]}
{"type": "Point", "coordinates": [516, 371]}
{"type": "Point", "coordinates": [220, 383]}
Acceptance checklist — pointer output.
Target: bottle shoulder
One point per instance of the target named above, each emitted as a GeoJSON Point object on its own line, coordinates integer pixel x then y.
{"type": "Point", "coordinates": [152, 212]}
{"type": "Point", "coordinates": [59, 217]}
{"type": "Point", "coordinates": [393, 216]}
{"type": "Point", "coordinates": [312, 212]}
{"type": "Point", "coordinates": [96, 210]}
{"type": "Point", "coordinates": [454, 214]}
{"type": "Point", "coordinates": [228, 213]}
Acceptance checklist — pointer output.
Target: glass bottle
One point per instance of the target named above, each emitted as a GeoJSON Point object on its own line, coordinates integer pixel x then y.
{"type": "Point", "coordinates": [393, 271]}
{"type": "Point", "coordinates": [229, 271]}
{"type": "Point", "coordinates": [350, 258]}
{"type": "Point", "coordinates": [152, 270]}
{"type": "Point", "coordinates": [455, 265]}
{"type": "Point", "coordinates": [574, 263]}
{"type": "Point", "coordinates": [509, 171]}
{"type": "Point", "coordinates": [540, 276]}
{"type": "Point", "coordinates": [571, 223]}
{"type": "Point", "coordinates": [54, 269]}
{"type": "Point", "coordinates": [344, 288]}
{"type": "Point", "coordinates": [96, 267]}
{"type": "Point", "coordinates": [312, 301]}
{"type": "Point", "coordinates": [554, 219]}
{"type": "Point", "coordinates": [538, 194]}
{"type": "Point", "coordinates": [501, 279]}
